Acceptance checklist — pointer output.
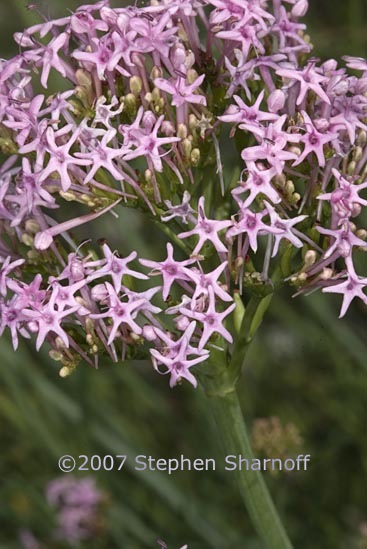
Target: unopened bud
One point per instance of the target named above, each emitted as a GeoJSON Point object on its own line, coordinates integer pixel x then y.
{"type": "Point", "coordinates": [357, 154]}
{"type": "Point", "coordinates": [295, 150]}
{"type": "Point", "coordinates": [136, 85]}
{"type": "Point", "coordinates": [65, 371]}
{"type": "Point", "coordinates": [130, 103]}
{"type": "Point", "coordinates": [326, 273]}
{"type": "Point", "coordinates": [310, 258]}
{"type": "Point", "coordinates": [195, 157]}
{"type": "Point", "coordinates": [168, 128]}
{"type": "Point", "coordinates": [156, 94]}
{"type": "Point", "coordinates": [193, 122]}
{"type": "Point", "coordinates": [190, 59]}
{"type": "Point", "coordinates": [186, 147]}
{"type": "Point", "coordinates": [156, 72]}
{"type": "Point", "coordinates": [149, 333]}
{"type": "Point", "coordinates": [59, 344]}
{"type": "Point", "coordinates": [182, 323]}
{"type": "Point", "coordinates": [289, 187]}
{"type": "Point", "coordinates": [362, 234]}
{"type": "Point", "coordinates": [89, 339]}
{"type": "Point", "coordinates": [31, 226]}
{"type": "Point", "coordinates": [148, 120]}
{"type": "Point", "coordinates": [55, 355]}
{"type": "Point", "coordinates": [300, 8]}
{"type": "Point", "coordinates": [89, 324]}
{"type": "Point", "coordinates": [148, 175]}
{"type": "Point", "coordinates": [182, 131]}
{"type": "Point", "coordinates": [69, 196]}
{"type": "Point", "coordinates": [276, 101]}
{"type": "Point", "coordinates": [27, 239]}
{"type": "Point", "coordinates": [356, 209]}
{"type": "Point", "coordinates": [362, 137]}
{"type": "Point", "coordinates": [178, 55]}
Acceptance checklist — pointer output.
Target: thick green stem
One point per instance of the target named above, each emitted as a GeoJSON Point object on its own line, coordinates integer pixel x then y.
{"type": "Point", "coordinates": [219, 380]}
{"type": "Point", "coordinates": [224, 403]}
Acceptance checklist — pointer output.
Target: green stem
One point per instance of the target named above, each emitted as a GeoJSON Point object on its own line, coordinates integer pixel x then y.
{"type": "Point", "coordinates": [225, 406]}
{"type": "Point", "coordinates": [219, 381]}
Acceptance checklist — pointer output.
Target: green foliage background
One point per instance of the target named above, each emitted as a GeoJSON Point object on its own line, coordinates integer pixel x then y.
{"type": "Point", "coordinates": [305, 367]}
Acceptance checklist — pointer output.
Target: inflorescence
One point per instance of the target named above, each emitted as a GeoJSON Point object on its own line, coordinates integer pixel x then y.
{"type": "Point", "coordinates": [153, 99]}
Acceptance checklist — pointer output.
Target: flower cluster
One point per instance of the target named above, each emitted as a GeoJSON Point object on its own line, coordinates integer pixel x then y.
{"type": "Point", "coordinates": [77, 502]}
{"type": "Point", "coordinates": [155, 98]}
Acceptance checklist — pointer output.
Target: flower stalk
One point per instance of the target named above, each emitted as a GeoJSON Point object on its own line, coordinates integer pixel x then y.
{"type": "Point", "coordinates": [223, 401]}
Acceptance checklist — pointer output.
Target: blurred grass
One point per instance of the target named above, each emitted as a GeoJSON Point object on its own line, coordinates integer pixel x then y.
{"type": "Point", "coordinates": [306, 366]}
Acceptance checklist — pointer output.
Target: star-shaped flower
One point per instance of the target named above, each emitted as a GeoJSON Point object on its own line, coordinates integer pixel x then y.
{"type": "Point", "coordinates": [181, 91]}
{"type": "Point", "coordinates": [207, 229]}
{"type": "Point", "coordinates": [211, 319]}
{"type": "Point", "coordinates": [120, 312]}
{"type": "Point", "coordinates": [352, 287]}
{"type": "Point", "coordinates": [170, 269]}
{"type": "Point", "coordinates": [284, 228]}
{"type": "Point", "coordinates": [116, 267]}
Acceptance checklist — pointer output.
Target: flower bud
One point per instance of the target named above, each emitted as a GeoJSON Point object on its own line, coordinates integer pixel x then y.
{"type": "Point", "coordinates": [69, 196]}
{"type": "Point", "coordinates": [190, 59]}
{"type": "Point", "coordinates": [300, 8]}
{"type": "Point", "coordinates": [182, 131]}
{"type": "Point", "coordinates": [362, 137]}
{"type": "Point", "coordinates": [276, 101]}
{"type": "Point", "coordinates": [357, 154]}
{"type": "Point", "coordinates": [136, 85]}
{"type": "Point", "coordinates": [310, 258]}
{"type": "Point", "coordinates": [182, 323]}
{"type": "Point", "coordinates": [59, 343]}
{"type": "Point", "coordinates": [65, 371]}
{"type": "Point", "coordinates": [195, 157]}
{"type": "Point", "coordinates": [32, 326]}
{"type": "Point", "coordinates": [31, 226]}
{"type": "Point", "coordinates": [356, 209]}
{"type": "Point", "coordinates": [186, 147]}
{"type": "Point", "coordinates": [178, 56]}
{"type": "Point", "coordinates": [362, 234]}
{"type": "Point", "coordinates": [193, 122]}
{"type": "Point", "coordinates": [351, 167]}
{"type": "Point", "coordinates": [27, 239]}
{"type": "Point", "coordinates": [326, 273]}
{"type": "Point", "coordinates": [168, 128]}
{"type": "Point", "coordinates": [156, 94]}
{"type": "Point", "coordinates": [99, 292]}
{"type": "Point", "coordinates": [130, 103]}
{"type": "Point", "coordinates": [149, 333]}
{"type": "Point", "coordinates": [156, 72]}
{"type": "Point", "coordinates": [289, 187]}
{"type": "Point", "coordinates": [148, 120]}
{"type": "Point", "coordinates": [55, 355]}
{"type": "Point", "coordinates": [148, 175]}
